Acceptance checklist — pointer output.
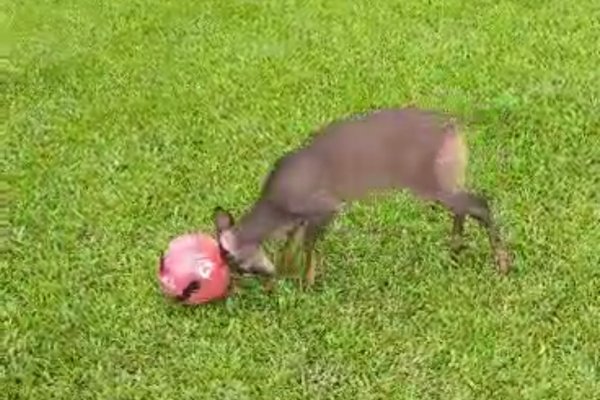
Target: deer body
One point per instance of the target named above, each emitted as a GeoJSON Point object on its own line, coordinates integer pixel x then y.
{"type": "Point", "coordinates": [390, 149]}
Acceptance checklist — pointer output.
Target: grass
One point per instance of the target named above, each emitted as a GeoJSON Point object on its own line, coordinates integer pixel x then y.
{"type": "Point", "coordinates": [127, 122]}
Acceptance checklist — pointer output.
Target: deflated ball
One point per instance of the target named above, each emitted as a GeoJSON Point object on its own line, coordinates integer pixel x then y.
{"type": "Point", "coordinates": [192, 270]}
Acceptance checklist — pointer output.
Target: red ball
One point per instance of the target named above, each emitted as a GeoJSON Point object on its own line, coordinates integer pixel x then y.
{"type": "Point", "coordinates": [192, 270]}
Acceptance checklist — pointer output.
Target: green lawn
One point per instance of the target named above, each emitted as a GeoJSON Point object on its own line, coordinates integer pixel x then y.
{"type": "Point", "coordinates": [128, 121]}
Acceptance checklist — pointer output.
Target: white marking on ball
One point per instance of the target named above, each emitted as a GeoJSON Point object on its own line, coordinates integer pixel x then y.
{"type": "Point", "coordinates": [203, 265]}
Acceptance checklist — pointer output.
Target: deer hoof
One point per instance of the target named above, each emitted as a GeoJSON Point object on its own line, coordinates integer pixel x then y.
{"type": "Point", "coordinates": [503, 262]}
{"type": "Point", "coordinates": [457, 246]}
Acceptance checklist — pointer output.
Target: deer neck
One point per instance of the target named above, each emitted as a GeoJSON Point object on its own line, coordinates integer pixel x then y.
{"type": "Point", "coordinates": [259, 223]}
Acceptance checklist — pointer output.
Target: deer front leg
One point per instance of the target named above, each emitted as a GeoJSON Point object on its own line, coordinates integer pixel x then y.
{"type": "Point", "coordinates": [287, 260]}
{"type": "Point", "coordinates": [310, 265]}
{"type": "Point", "coordinates": [314, 231]}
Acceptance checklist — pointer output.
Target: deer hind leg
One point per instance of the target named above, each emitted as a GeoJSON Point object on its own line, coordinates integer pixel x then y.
{"type": "Point", "coordinates": [450, 166]}
{"type": "Point", "coordinates": [464, 203]}
{"type": "Point", "coordinates": [288, 261]}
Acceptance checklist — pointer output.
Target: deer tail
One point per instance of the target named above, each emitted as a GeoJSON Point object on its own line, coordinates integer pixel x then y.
{"type": "Point", "coordinates": [452, 159]}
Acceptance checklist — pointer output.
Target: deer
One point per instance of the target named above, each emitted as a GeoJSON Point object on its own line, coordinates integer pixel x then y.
{"type": "Point", "coordinates": [408, 148]}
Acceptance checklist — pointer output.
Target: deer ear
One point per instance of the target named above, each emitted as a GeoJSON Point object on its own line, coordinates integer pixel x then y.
{"type": "Point", "coordinates": [222, 219]}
